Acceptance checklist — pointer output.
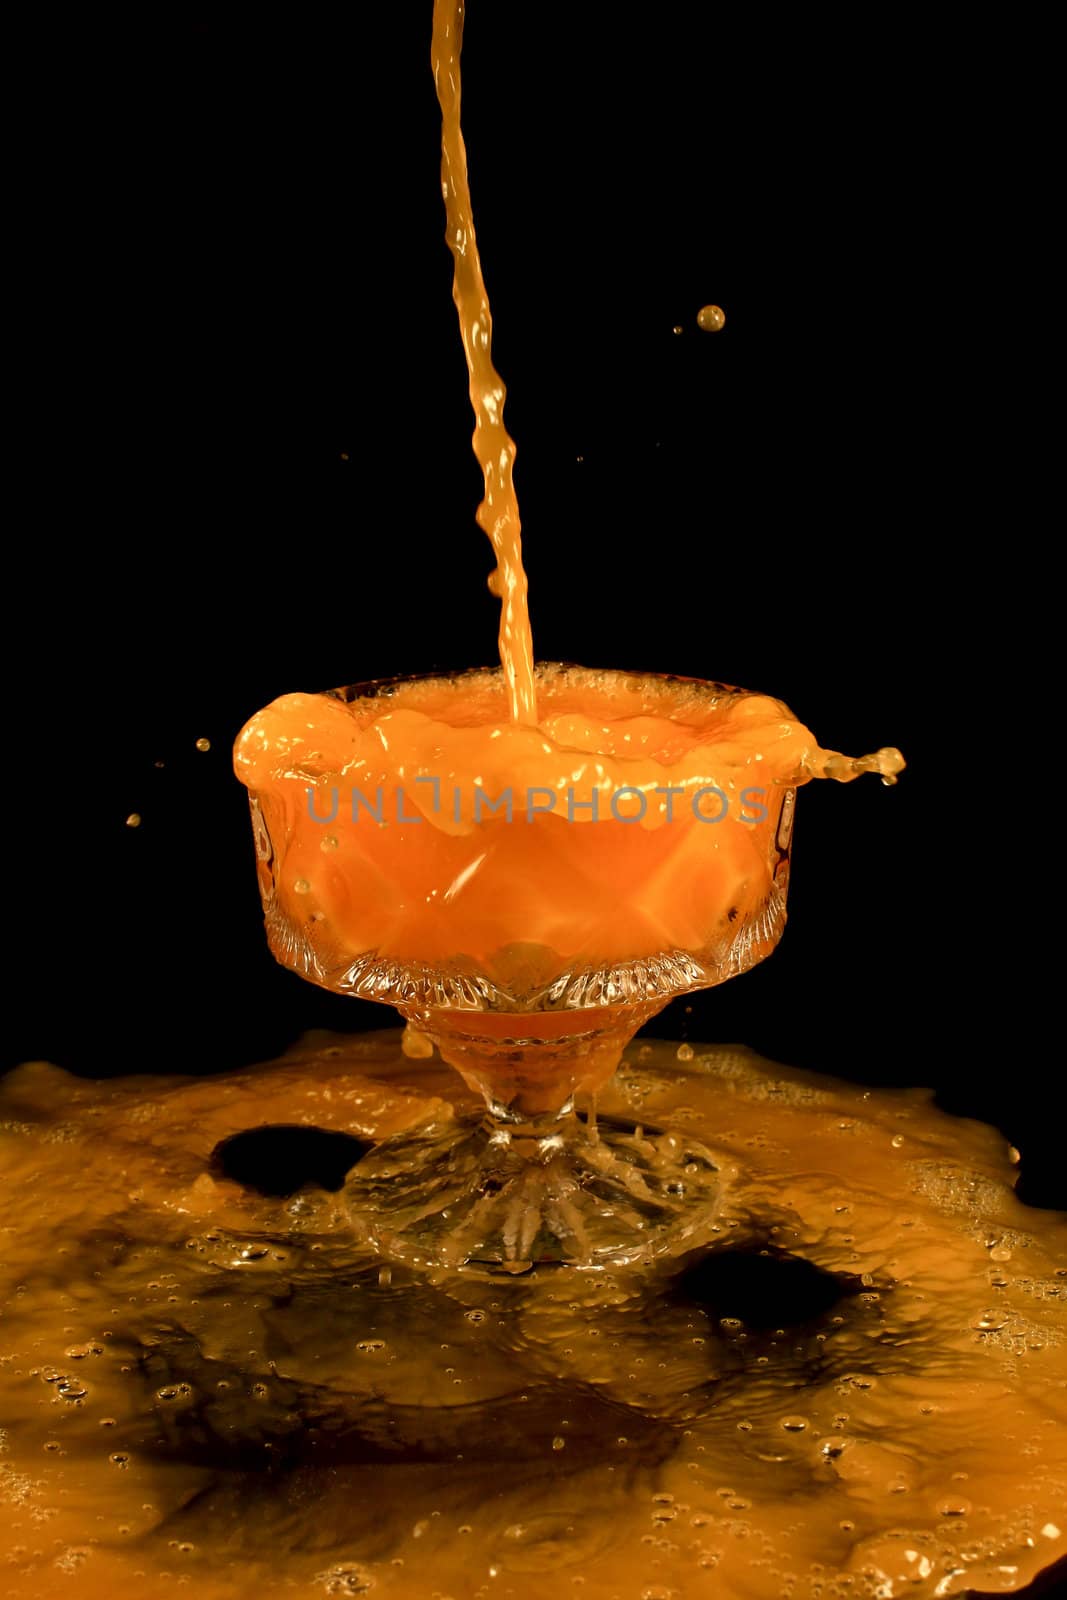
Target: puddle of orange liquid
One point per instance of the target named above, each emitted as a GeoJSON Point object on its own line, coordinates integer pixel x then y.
{"type": "Point", "coordinates": [857, 1387]}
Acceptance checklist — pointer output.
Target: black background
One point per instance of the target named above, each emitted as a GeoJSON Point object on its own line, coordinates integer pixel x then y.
{"type": "Point", "coordinates": [252, 473]}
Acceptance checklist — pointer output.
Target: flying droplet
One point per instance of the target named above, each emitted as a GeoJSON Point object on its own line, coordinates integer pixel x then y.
{"type": "Point", "coordinates": [133, 820]}
{"type": "Point", "coordinates": [711, 318]}
{"type": "Point", "coordinates": [203, 744]}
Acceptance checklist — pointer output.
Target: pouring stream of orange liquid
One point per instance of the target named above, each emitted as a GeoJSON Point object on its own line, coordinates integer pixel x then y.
{"type": "Point", "coordinates": [498, 514]}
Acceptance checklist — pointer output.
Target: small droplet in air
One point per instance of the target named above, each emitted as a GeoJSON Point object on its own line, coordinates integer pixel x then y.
{"type": "Point", "coordinates": [712, 319]}
{"type": "Point", "coordinates": [677, 328]}
{"type": "Point", "coordinates": [203, 744]}
{"type": "Point", "coordinates": [133, 820]}
{"type": "Point", "coordinates": [684, 1052]}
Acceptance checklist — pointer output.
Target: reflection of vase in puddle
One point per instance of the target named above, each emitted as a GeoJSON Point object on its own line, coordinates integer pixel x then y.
{"type": "Point", "coordinates": [857, 1386]}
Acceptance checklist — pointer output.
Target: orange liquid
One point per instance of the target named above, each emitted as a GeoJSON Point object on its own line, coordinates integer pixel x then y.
{"type": "Point", "coordinates": [441, 881]}
{"type": "Point", "coordinates": [210, 1391]}
{"type": "Point", "coordinates": [440, 902]}
{"type": "Point", "coordinates": [498, 513]}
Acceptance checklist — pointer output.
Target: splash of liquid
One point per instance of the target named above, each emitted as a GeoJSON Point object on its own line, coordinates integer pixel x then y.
{"type": "Point", "coordinates": [853, 1387]}
{"type": "Point", "coordinates": [623, 756]}
{"type": "Point", "coordinates": [498, 514]}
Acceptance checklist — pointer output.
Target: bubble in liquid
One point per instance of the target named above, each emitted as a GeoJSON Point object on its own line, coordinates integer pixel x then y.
{"type": "Point", "coordinates": [559, 1443]}
{"type": "Point", "coordinates": [203, 744]}
{"type": "Point", "coordinates": [344, 1578]}
{"type": "Point", "coordinates": [685, 1052]}
{"type": "Point", "coordinates": [712, 319]}
{"type": "Point", "coordinates": [301, 886]}
{"type": "Point", "coordinates": [415, 1045]}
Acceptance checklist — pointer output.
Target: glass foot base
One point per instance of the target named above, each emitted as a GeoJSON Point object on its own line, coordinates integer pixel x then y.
{"type": "Point", "coordinates": [477, 1195]}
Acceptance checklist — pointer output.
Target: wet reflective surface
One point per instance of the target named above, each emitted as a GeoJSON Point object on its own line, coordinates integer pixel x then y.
{"type": "Point", "coordinates": [854, 1382]}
